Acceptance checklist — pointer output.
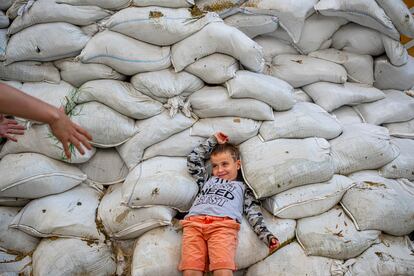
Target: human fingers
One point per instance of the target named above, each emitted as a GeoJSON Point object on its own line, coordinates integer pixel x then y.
{"type": "Point", "coordinates": [15, 131]}
{"type": "Point", "coordinates": [13, 126]}
{"type": "Point", "coordinates": [66, 149]}
{"type": "Point", "coordinates": [10, 137]}
{"type": "Point", "coordinates": [86, 137]}
{"type": "Point", "coordinates": [83, 140]}
{"type": "Point", "coordinates": [77, 144]}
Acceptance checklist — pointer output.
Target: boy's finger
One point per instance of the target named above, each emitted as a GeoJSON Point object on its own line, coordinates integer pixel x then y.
{"type": "Point", "coordinates": [84, 132]}
{"type": "Point", "coordinates": [83, 140]}
{"type": "Point", "coordinates": [10, 137]}
{"type": "Point", "coordinates": [16, 126]}
{"type": "Point", "coordinates": [77, 145]}
{"type": "Point", "coordinates": [66, 149]}
{"type": "Point", "coordinates": [16, 131]}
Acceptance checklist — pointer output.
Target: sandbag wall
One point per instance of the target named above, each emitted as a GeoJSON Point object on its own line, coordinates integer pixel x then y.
{"type": "Point", "coordinates": [317, 94]}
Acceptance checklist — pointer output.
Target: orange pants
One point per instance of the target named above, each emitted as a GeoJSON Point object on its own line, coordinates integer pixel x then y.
{"type": "Point", "coordinates": [208, 239]}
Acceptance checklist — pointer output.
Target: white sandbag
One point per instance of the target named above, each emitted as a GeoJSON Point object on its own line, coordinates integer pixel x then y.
{"type": "Point", "coordinates": [164, 3]}
{"type": "Point", "coordinates": [67, 257]}
{"type": "Point", "coordinates": [358, 39]}
{"type": "Point", "coordinates": [214, 101]}
{"type": "Point", "coordinates": [238, 129]}
{"type": "Point", "coordinates": [77, 73]}
{"type": "Point", "coordinates": [90, 30]}
{"type": "Point", "coordinates": [308, 200]}
{"type": "Point", "coordinates": [160, 181]}
{"type": "Point", "coordinates": [301, 96]}
{"type": "Point", "coordinates": [35, 175]}
{"type": "Point", "coordinates": [291, 260]}
{"type": "Point", "coordinates": [253, 24]}
{"type": "Point", "coordinates": [220, 38]}
{"type": "Point", "coordinates": [393, 256]}
{"type": "Point", "coordinates": [273, 91]}
{"type": "Point", "coordinates": [403, 165]}
{"type": "Point", "coordinates": [12, 265]}
{"type": "Point", "coordinates": [105, 4]}
{"type": "Point", "coordinates": [278, 165]}
{"type": "Point", "coordinates": [170, 25]}
{"type": "Point", "coordinates": [53, 94]}
{"type": "Point", "coordinates": [155, 129]}
{"type": "Point", "coordinates": [395, 107]}
{"type": "Point", "coordinates": [125, 54]}
{"type": "Point", "coordinates": [39, 139]}
{"type": "Point", "coordinates": [224, 8]}
{"type": "Point", "coordinates": [12, 240]}
{"type": "Point", "coordinates": [300, 70]}
{"type": "Point", "coordinates": [347, 115]}
{"type": "Point", "coordinates": [165, 84]}
{"type": "Point", "coordinates": [13, 201]}
{"type": "Point", "coordinates": [251, 249]}
{"type": "Point", "coordinates": [360, 68]}
{"type": "Point", "coordinates": [400, 15]}
{"type": "Point", "coordinates": [180, 144]}
{"type": "Point", "coordinates": [15, 84]}
{"type": "Point", "coordinates": [317, 32]}
{"type": "Point", "coordinates": [4, 20]}
{"type": "Point", "coordinates": [122, 222]}
{"type": "Point", "coordinates": [402, 130]}
{"type": "Point", "coordinates": [302, 121]}
{"type": "Point", "coordinates": [380, 203]}
{"type": "Point", "coordinates": [29, 71]}
{"type": "Point", "coordinates": [273, 47]}
{"type": "Point", "coordinates": [77, 15]}
{"type": "Point", "coordinates": [214, 69]}
{"type": "Point", "coordinates": [46, 42]}
{"type": "Point", "coordinates": [388, 76]}
{"type": "Point", "coordinates": [105, 167]}
{"type": "Point", "coordinates": [366, 13]}
{"type": "Point", "coordinates": [396, 52]}
{"type": "Point", "coordinates": [362, 147]}
{"type": "Point", "coordinates": [291, 14]}
{"type": "Point", "coordinates": [97, 119]}
{"type": "Point", "coordinates": [120, 96]}
{"type": "Point", "coordinates": [69, 214]}
{"type": "Point", "coordinates": [4, 5]}
{"type": "Point", "coordinates": [4, 39]}
{"type": "Point", "coordinates": [157, 252]}
{"type": "Point", "coordinates": [333, 235]}
{"type": "Point", "coordinates": [331, 96]}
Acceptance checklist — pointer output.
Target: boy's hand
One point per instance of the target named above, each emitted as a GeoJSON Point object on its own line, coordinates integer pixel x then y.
{"type": "Point", "coordinates": [67, 132]}
{"type": "Point", "coordinates": [274, 245]}
{"type": "Point", "coordinates": [8, 127]}
{"type": "Point", "coordinates": [221, 137]}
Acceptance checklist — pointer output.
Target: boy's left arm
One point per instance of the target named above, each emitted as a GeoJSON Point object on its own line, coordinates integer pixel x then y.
{"type": "Point", "coordinates": [254, 215]}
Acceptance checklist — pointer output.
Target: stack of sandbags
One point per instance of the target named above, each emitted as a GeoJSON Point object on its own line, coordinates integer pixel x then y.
{"type": "Point", "coordinates": [312, 91]}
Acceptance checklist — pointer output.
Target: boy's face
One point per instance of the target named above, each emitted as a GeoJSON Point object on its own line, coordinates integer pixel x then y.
{"type": "Point", "coordinates": [224, 166]}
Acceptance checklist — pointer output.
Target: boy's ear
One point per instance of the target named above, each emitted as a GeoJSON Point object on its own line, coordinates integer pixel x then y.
{"type": "Point", "coordinates": [238, 164]}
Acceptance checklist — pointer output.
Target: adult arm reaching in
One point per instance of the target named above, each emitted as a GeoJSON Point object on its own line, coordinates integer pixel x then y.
{"type": "Point", "coordinates": [15, 102]}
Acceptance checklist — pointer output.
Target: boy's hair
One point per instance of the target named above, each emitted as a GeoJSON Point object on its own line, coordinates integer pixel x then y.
{"type": "Point", "coordinates": [230, 148]}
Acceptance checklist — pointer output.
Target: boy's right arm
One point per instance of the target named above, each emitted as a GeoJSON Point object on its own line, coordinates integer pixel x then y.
{"type": "Point", "coordinates": [196, 160]}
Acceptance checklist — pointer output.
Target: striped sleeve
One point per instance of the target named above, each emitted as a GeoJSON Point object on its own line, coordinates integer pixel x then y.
{"type": "Point", "coordinates": [252, 209]}
{"type": "Point", "coordinates": [197, 158]}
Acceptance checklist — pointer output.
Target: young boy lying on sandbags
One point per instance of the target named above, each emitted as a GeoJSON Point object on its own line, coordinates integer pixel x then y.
{"type": "Point", "coordinates": [211, 227]}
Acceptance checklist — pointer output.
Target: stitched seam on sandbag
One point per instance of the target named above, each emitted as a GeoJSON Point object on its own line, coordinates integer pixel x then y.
{"type": "Point", "coordinates": [24, 180]}
{"type": "Point", "coordinates": [47, 235]}
{"type": "Point", "coordinates": [133, 228]}
{"type": "Point", "coordinates": [314, 199]}
{"type": "Point", "coordinates": [125, 59]}
{"type": "Point", "coordinates": [363, 14]}
{"type": "Point", "coordinates": [350, 215]}
{"type": "Point", "coordinates": [149, 20]}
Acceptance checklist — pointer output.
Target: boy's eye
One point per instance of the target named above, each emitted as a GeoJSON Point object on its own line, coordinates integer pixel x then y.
{"type": "Point", "coordinates": [214, 166]}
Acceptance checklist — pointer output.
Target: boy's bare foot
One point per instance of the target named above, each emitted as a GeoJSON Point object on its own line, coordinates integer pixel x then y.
{"type": "Point", "coordinates": [274, 245]}
{"type": "Point", "coordinates": [221, 137]}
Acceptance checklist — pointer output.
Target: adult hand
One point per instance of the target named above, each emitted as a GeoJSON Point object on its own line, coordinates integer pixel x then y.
{"type": "Point", "coordinates": [221, 137]}
{"type": "Point", "coordinates": [68, 132]}
{"type": "Point", "coordinates": [274, 244]}
{"type": "Point", "coordinates": [8, 127]}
